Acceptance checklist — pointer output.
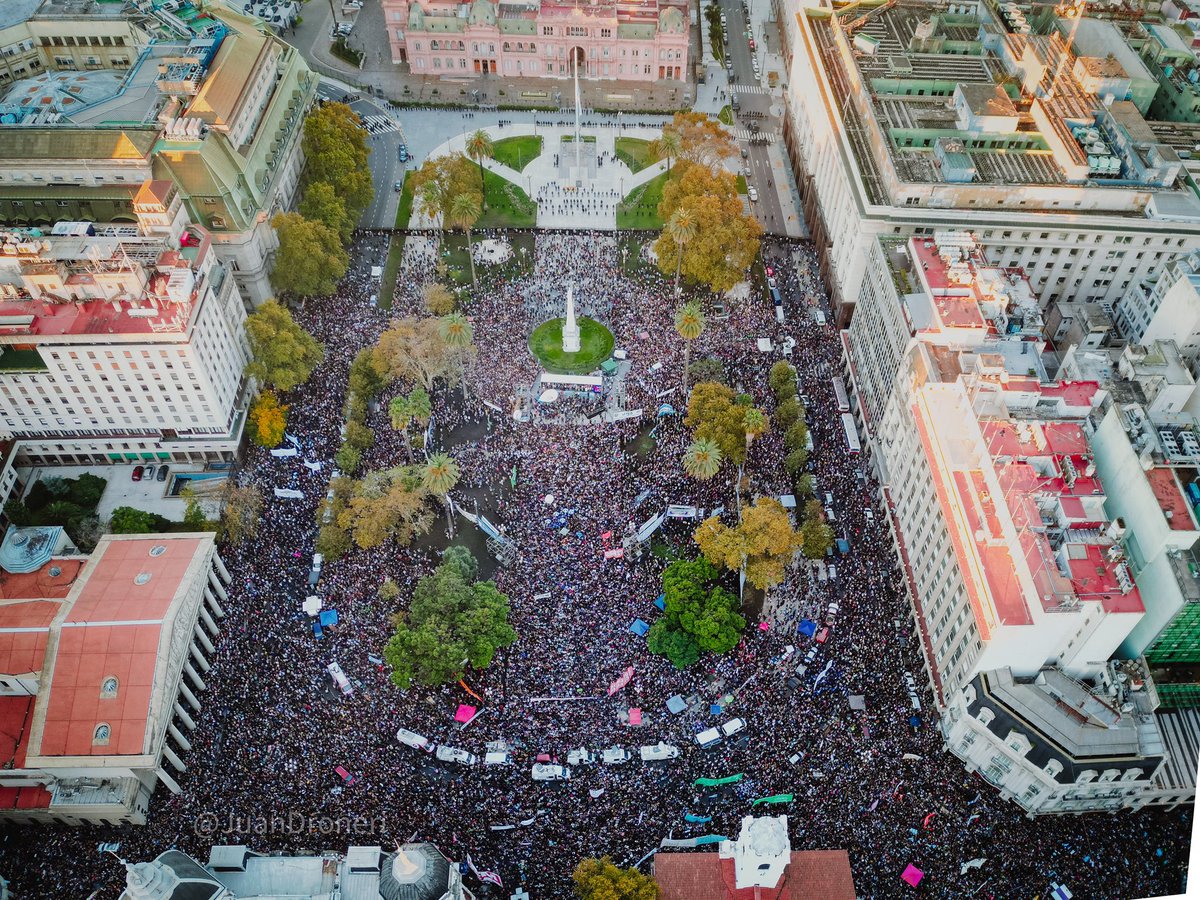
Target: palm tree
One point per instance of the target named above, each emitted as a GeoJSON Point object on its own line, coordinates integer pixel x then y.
{"type": "Point", "coordinates": [465, 210]}
{"type": "Point", "coordinates": [689, 322]}
{"type": "Point", "coordinates": [429, 202]}
{"type": "Point", "coordinates": [756, 423]}
{"type": "Point", "coordinates": [702, 459]}
{"type": "Point", "coordinates": [682, 228]}
{"type": "Point", "coordinates": [401, 412]}
{"type": "Point", "coordinates": [458, 334]}
{"type": "Point", "coordinates": [479, 148]}
{"type": "Point", "coordinates": [439, 475]}
{"type": "Point", "coordinates": [667, 146]}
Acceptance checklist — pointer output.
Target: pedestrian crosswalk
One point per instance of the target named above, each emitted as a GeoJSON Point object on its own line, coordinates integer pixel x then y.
{"type": "Point", "coordinates": [379, 124]}
{"type": "Point", "coordinates": [744, 134]}
{"type": "Point", "coordinates": [749, 89]}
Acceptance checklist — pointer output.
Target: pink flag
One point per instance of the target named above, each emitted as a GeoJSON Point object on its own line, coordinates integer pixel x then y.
{"type": "Point", "coordinates": [621, 682]}
{"type": "Point", "coordinates": [912, 875]}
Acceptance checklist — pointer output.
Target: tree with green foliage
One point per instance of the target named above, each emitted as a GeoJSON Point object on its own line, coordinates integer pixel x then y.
{"type": "Point", "coordinates": [782, 373]}
{"type": "Point", "coordinates": [700, 615]}
{"type": "Point", "coordinates": [321, 203]}
{"type": "Point", "coordinates": [689, 323]}
{"type": "Point", "coordinates": [193, 514]}
{"type": "Point", "coordinates": [805, 485]}
{"type": "Point", "coordinates": [788, 413]}
{"type": "Point", "coordinates": [416, 350]}
{"type": "Point", "coordinates": [127, 520]}
{"type": "Point", "coordinates": [453, 622]}
{"type": "Point", "coordinates": [310, 260]}
{"type": "Point", "coordinates": [479, 148]}
{"type": "Point", "coordinates": [282, 354]}
{"type": "Point", "coordinates": [682, 226]}
{"type": "Point", "coordinates": [465, 210]}
{"type": "Point", "coordinates": [347, 459]}
{"type": "Point", "coordinates": [710, 368]}
{"type": "Point", "coordinates": [715, 414]}
{"type": "Point", "coordinates": [388, 591]}
{"type": "Point", "coordinates": [602, 879]}
{"type": "Point", "coordinates": [702, 459]}
{"type": "Point", "coordinates": [439, 181]}
{"type": "Point", "coordinates": [795, 460]}
{"type": "Point", "coordinates": [817, 536]}
{"type": "Point", "coordinates": [666, 146]}
{"type": "Point", "coordinates": [335, 152]}
{"type": "Point", "coordinates": [359, 436]}
{"type": "Point", "coordinates": [796, 437]}
{"type": "Point", "coordinates": [762, 543]}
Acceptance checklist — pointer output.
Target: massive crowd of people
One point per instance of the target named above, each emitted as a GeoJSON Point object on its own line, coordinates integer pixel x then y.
{"type": "Point", "coordinates": [273, 727]}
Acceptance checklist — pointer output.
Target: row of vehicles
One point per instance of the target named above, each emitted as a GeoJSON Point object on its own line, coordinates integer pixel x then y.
{"type": "Point", "coordinates": [547, 767]}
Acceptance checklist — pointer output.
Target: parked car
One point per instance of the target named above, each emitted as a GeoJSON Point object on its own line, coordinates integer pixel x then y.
{"type": "Point", "coordinates": [162, 472]}
{"type": "Point", "coordinates": [398, 186]}
{"type": "Point", "coordinates": [823, 635]}
{"type": "Point", "coordinates": [614, 756]}
{"type": "Point", "coordinates": [732, 727]}
{"type": "Point", "coordinates": [753, 46]}
{"type": "Point", "coordinates": [709, 737]}
{"type": "Point", "coordinates": [149, 473]}
{"type": "Point", "coordinates": [454, 755]}
{"type": "Point", "coordinates": [581, 757]}
{"type": "Point", "coordinates": [811, 656]}
{"type": "Point", "coordinates": [138, 472]}
{"type": "Point", "coordinates": [497, 758]}
{"type": "Point", "coordinates": [545, 772]}
{"type": "Point", "coordinates": [346, 777]}
{"type": "Point", "coordinates": [414, 740]}
{"type": "Point", "coordinates": [658, 751]}
{"type": "Point", "coordinates": [797, 757]}
{"type": "Point", "coordinates": [753, 193]}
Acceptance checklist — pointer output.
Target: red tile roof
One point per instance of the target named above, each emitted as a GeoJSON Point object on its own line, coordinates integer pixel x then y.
{"type": "Point", "coordinates": [111, 594]}
{"type": "Point", "coordinates": [811, 875]}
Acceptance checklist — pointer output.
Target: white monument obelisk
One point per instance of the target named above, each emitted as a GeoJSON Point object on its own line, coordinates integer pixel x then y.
{"type": "Point", "coordinates": [570, 326]}
{"type": "Point", "coordinates": [578, 140]}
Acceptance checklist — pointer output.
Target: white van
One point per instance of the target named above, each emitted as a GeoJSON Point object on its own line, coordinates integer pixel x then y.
{"type": "Point", "coordinates": [414, 740]}
{"type": "Point", "coordinates": [708, 738]}
{"type": "Point", "coordinates": [614, 756]}
{"type": "Point", "coordinates": [547, 772]}
{"type": "Point", "coordinates": [497, 758]}
{"type": "Point", "coordinates": [732, 727]}
{"type": "Point", "coordinates": [659, 751]}
{"type": "Point", "coordinates": [454, 755]}
{"type": "Point", "coordinates": [581, 757]}
{"type": "Point", "coordinates": [339, 678]}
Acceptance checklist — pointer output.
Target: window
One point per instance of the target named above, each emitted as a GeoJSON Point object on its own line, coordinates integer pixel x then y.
{"type": "Point", "coordinates": [548, 31]}
{"type": "Point", "coordinates": [101, 735]}
{"type": "Point", "coordinates": [108, 687]}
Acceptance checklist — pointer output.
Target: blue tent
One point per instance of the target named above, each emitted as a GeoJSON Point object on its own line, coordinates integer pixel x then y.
{"type": "Point", "coordinates": [329, 617]}
{"type": "Point", "coordinates": [807, 627]}
{"type": "Point", "coordinates": [661, 602]}
{"type": "Point", "coordinates": [715, 709]}
{"type": "Point", "coordinates": [639, 627]}
{"type": "Point", "coordinates": [843, 545]}
{"type": "Point", "coordinates": [676, 704]}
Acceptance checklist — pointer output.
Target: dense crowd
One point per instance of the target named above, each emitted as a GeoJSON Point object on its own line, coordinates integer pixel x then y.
{"type": "Point", "coordinates": [273, 727]}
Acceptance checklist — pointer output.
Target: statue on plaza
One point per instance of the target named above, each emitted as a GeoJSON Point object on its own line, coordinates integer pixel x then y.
{"type": "Point", "coordinates": [570, 331]}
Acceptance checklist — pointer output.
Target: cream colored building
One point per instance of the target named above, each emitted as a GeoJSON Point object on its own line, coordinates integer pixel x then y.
{"type": "Point", "coordinates": [89, 734]}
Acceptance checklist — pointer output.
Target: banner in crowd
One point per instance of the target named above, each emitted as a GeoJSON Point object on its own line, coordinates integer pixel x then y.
{"type": "Point", "coordinates": [484, 875]}
{"type": "Point", "coordinates": [717, 782]}
{"type": "Point", "coordinates": [285, 451]}
{"type": "Point", "coordinates": [289, 494]}
{"type": "Point", "coordinates": [621, 681]}
{"type": "Point", "coordinates": [776, 798]}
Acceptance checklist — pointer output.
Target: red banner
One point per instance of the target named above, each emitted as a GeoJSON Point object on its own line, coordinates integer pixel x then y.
{"type": "Point", "coordinates": [621, 682]}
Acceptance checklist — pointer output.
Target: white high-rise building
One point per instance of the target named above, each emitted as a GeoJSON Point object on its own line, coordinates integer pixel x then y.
{"type": "Point", "coordinates": [121, 346]}
{"type": "Point", "coordinates": [916, 118]}
{"type": "Point", "coordinates": [1166, 308]}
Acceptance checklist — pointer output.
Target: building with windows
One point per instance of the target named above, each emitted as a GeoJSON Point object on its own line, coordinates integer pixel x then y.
{"type": "Point", "coordinates": [917, 117]}
{"type": "Point", "coordinates": [612, 40]}
{"type": "Point", "coordinates": [100, 667]}
{"type": "Point", "coordinates": [211, 102]}
{"type": "Point", "coordinates": [127, 344]}
{"type": "Point", "coordinates": [1165, 306]}
{"type": "Point", "coordinates": [234, 872]}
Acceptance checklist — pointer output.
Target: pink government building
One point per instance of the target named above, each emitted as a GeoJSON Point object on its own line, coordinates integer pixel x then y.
{"type": "Point", "coordinates": [614, 39]}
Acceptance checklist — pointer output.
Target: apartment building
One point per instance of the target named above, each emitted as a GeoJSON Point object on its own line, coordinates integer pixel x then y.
{"type": "Point", "coordinates": [1165, 307]}
{"type": "Point", "coordinates": [543, 39]}
{"type": "Point", "coordinates": [208, 100]}
{"type": "Point", "coordinates": [100, 667]}
{"type": "Point", "coordinates": [911, 118]}
{"type": "Point", "coordinates": [122, 345]}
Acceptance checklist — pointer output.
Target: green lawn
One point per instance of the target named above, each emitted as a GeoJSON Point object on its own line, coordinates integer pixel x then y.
{"type": "Point", "coordinates": [346, 53]}
{"type": "Point", "coordinates": [726, 114]}
{"type": "Point", "coordinates": [387, 288]}
{"type": "Point", "coordinates": [634, 152]}
{"type": "Point", "coordinates": [517, 152]}
{"type": "Point", "coordinates": [454, 255]}
{"type": "Point", "coordinates": [404, 210]}
{"type": "Point", "coordinates": [595, 346]}
{"type": "Point", "coordinates": [741, 184]}
{"type": "Point", "coordinates": [507, 205]}
{"type": "Point", "coordinates": [639, 209]}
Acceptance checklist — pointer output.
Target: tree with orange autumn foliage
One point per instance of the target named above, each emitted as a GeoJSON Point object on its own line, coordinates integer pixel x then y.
{"type": "Point", "coordinates": [268, 419]}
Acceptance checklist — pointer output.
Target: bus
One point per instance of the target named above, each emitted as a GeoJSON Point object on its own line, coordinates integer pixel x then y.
{"type": "Point", "coordinates": [839, 394]}
{"type": "Point", "coordinates": [851, 434]}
